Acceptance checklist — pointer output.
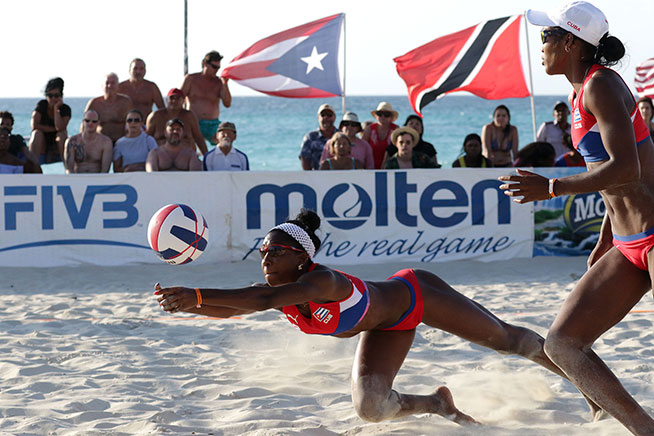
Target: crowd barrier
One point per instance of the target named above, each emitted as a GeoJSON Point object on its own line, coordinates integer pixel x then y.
{"type": "Point", "coordinates": [368, 216]}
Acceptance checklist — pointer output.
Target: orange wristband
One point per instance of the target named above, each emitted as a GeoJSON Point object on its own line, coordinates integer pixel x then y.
{"type": "Point", "coordinates": [551, 188]}
{"type": "Point", "coordinates": [198, 294]}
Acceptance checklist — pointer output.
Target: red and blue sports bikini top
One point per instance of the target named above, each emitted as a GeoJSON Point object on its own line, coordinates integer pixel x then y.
{"type": "Point", "coordinates": [335, 317]}
{"type": "Point", "coordinates": [585, 132]}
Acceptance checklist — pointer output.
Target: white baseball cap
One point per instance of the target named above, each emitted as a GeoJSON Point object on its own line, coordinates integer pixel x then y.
{"type": "Point", "coordinates": [580, 18]}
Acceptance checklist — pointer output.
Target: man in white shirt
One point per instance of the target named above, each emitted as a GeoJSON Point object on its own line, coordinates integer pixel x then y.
{"type": "Point", "coordinates": [557, 132]}
{"type": "Point", "coordinates": [225, 157]}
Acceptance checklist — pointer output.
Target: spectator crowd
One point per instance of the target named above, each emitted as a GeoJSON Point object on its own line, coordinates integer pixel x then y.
{"type": "Point", "coordinates": [185, 133]}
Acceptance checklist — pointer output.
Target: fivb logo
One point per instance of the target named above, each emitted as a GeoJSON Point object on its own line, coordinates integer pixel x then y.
{"type": "Point", "coordinates": [429, 205]}
{"type": "Point", "coordinates": [118, 201]}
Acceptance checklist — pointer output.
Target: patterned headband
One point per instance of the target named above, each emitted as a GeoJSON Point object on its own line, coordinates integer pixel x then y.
{"type": "Point", "coordinates": [300, 235]}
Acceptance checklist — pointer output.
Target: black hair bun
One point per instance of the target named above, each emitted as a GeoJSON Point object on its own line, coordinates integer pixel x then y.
{"type": "Point", "coordinates": [309, 219]}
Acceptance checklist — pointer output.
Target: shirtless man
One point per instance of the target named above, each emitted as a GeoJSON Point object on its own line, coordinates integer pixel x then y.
{"type": "Point", "coordinates": [155, 125]}
{"type": "Point", "coordinates": [112, 108]}
{"type": "Point", "coordinates": [143, 93]}
{"type": "Point", "coordinates": [172, 155]}
{"type": "Point", "coordinates": [89, 151]}
{"type": "Point", "coordinates": [204, 91]}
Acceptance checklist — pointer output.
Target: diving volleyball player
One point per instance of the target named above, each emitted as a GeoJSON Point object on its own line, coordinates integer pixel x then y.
{"type": "Point", "coordinates": [610, 134]}
{"type": "Point", "coordinates": [321, 300]}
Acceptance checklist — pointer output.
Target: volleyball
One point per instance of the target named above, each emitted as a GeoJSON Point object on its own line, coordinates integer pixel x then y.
{"type": "Point", "coordinates": [178, 234]}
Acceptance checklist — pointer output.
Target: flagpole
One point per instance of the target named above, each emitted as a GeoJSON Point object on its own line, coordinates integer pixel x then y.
{"type": "Point", "coordinates": [531, 81]}
{"type": "Point", "coordinates": [185, 37]}
{"type": "Point", "coordinates": [344, 62]}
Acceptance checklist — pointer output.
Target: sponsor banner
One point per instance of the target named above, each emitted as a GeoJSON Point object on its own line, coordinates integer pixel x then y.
{"type": "Point", "coordinates": [568, 225]}
{"type": "Point", "coordinates": [62, 220]}
{"type": "Point", "coordinates": [385, 216]}
{"type": "Point", "coordinates": [368, 216]}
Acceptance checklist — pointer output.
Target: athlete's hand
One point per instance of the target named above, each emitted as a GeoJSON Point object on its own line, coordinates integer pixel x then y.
{"type": "Point", "coordinates": [176, 299]}
{"type": "Point", "coordinates": [528, 185]}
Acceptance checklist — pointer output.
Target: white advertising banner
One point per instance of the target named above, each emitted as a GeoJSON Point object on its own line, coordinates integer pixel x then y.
{"type": "Point", "coordinates": [368, 216]}
{"type": "Point", "coordinates": [59, 220]}
{"type": "Point", "coordinates": [385, 216]}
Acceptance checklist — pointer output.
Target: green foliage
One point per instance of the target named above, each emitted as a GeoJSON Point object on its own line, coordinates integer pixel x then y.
{"type": "Point", "coordinates": [545, 215]}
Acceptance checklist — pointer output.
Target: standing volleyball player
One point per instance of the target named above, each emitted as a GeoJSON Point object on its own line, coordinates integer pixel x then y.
{"type": "Point", "coordinates": [610, 134]}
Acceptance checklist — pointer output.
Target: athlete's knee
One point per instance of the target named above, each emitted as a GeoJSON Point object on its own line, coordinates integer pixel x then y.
{"type": "Point", "coordinates": [526, 342]}
{"type": "Point", "coordinates": [376, 407]}
{"type": "Point", "coordinates": [559, 347]}
{"type": "Point", "coordinates": [372, 402]}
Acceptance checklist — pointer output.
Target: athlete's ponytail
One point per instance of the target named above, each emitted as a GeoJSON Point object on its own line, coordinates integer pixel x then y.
{"type": "Point", "coordinates": [609, 51]}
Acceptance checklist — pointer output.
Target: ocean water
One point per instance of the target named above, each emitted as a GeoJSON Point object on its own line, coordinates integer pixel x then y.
{"type": "Point", "coordinates": [270, 129]}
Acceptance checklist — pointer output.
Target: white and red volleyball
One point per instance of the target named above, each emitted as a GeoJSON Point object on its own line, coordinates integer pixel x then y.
{"type": "Point", "coordinates": [178, 234]}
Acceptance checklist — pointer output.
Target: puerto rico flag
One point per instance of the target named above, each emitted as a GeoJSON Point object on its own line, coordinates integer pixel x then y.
{"type": "Point", "coordinates": [645, 79]}
{"type": "Point", "coordinates": [301, 62]}
{"type": "Point", "coordinates": [483, 60]}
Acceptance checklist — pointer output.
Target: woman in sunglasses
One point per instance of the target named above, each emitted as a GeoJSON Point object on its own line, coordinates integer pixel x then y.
{"type": "Point", "coordinates": [378, 134]}
{"type": "Point", "coordinates": [619, 153]}
{"type": "Point", "coordinates": [49, 123]}
{"type": "Point", "coordinates": [131, 151]}
{"type": "Point", "coordinates": [321, 300]}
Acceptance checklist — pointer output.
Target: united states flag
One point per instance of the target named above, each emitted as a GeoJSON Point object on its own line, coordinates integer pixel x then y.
{"type": "Point", "coordinates": [483, 59]}
{"type": "Point", "coordinates": [645, 79]}
{"type": "Point", "coordinates": [301, 62]}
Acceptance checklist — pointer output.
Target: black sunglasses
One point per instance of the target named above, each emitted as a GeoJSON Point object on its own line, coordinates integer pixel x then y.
{"type": "Point", "coordinates": [86, 120]}
{"type": "Point", "coordinates": [350, 124]}
{"type": "Point", "coordinates": [214, 66]}
{"type": "Point", "coordinates": [384, 114]}
{"type": "Point", "coordinates": [546, 33]}
{"type": "Point", "coordinates": [133, 120]}
{"type": "Point", "coordinates": [275, 250]}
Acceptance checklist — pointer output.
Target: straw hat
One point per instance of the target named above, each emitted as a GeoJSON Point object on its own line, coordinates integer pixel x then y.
{"type": "Point", "coordinates": [406, 129]}
{"type": "Point", "coordinates": [387, 107]}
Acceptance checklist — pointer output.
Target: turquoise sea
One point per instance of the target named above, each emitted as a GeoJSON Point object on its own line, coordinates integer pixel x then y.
{"type": "Point", "coordinates": [270, 129]}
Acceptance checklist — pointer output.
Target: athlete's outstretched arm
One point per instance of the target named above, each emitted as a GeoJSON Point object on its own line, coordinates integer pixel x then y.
{"type": "Point", "coordinates": [258, 297]}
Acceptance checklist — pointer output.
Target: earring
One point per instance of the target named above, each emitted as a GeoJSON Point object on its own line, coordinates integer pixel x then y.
{"type": "Point", "coordinates": [567, 49]}
{"type": "Point", "coordinates": [299, 267]}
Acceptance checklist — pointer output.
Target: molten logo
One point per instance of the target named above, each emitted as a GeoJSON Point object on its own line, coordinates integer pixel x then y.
{"type": "Point", "coordinates": [574, 26]}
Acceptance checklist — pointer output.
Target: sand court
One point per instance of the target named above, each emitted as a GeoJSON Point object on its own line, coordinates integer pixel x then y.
{"type": "Point", "coordinates": [87, 351]}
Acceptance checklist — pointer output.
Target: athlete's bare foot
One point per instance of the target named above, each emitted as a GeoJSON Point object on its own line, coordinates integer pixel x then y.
{"type": "Point", "coordinates": [443, 405]}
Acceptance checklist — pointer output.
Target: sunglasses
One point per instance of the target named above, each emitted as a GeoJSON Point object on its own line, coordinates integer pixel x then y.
{"type": "Point", "coordinates": [214, 66]}
{"type": "Point", "coordinates": [276, 250]}
{"type": "Point", "coordinates": [133, 120]}
{"type": "Point", "coordinates": [48, 94]}
{"type": "Point", "coordinates": [546, 33]}
{"type": "Point", "coordinates": [350, 124]}
{"type": "Point", "coordinates": [86, 120]}
{"type": "Point", "coordinates": [383, 114]}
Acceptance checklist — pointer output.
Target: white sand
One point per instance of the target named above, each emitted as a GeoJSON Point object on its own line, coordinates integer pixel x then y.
{"type": "Point", "coordinates": [87, 351]}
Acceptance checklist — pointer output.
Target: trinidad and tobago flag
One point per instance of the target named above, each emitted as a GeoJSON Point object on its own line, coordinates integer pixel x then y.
{"type": "Point", "coordinates": [301, 62]}
{"type": "Point", "coordinates": [483, 60]}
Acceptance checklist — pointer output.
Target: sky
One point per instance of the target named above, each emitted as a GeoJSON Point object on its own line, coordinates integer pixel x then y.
{"type": "Point", "coordinates": [82, 41]}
